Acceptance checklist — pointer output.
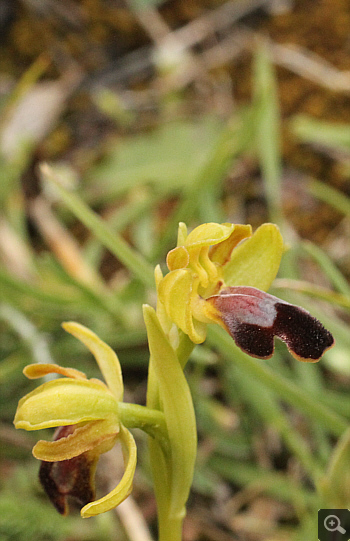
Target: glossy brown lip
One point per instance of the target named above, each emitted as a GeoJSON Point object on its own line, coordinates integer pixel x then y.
{"type": "Point", "coordinates": [253, 318]}
{"type": "Point", "coordinates": [68, 479]}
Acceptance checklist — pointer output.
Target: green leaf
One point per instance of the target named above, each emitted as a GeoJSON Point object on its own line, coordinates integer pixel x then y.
{"type": "Point", "coordinates": [178, 409]}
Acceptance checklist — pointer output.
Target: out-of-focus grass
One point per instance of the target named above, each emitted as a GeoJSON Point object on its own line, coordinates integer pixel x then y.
{"type": "Point", "coordinates": [267, 429]}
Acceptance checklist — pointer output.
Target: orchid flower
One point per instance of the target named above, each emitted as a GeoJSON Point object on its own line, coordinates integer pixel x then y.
{"type": "Point", "coordinates": [86, 414]}
{"type": "Point", "coordinates": [219, 273]}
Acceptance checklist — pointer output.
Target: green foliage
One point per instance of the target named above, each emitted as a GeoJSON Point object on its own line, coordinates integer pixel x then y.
{"type": "Point", "coordinates": [187, 161]}
{"type": "Point", "coordinates": [24, 515]}
{"type": "Point", "coordinates": [167, 158]}
{"type": "Point", "coordinates": [23, 520]}
{"type": "Point", "coordinates": [311, 130]}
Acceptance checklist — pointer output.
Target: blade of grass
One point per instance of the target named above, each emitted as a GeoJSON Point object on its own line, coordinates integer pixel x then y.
{"type": "Point", "coordinates": [338, 401]}
{"type": "Point", "coordinates": [317, 292]}
{"type": "Point", "coordinates": [329, 195]}
{"type": "Point", "coordinates": [312, 130]}
{"type": "Point", "coordinates": [103, 298]}
{"type": "Point", "coordinates": [329, 268]}
{"type": "Point", "coordinates": [310, 378]}
{"type": "Point", "coordinates": [268, 131]}
{"type": "Point", "coordinates": [131, 212]}
{"type": "Point", "coordinates": [287, 390]}
{"type": "Point", "coordinates": [267, 408]}
{"type": "Point", "coordinates": [16, 286]}
{"type": "Point", "coordinates": [133, 261]}
{"type": "Point", "coordinates": [235, 138]}
{"type": "Point", "coordinates": [32, 338]}
{"type": "Point", "coordinates": [264, 481]}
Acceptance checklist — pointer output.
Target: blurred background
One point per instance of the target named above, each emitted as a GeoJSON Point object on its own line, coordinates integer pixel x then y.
{"type": "Point", "coordinates": [150, 113]}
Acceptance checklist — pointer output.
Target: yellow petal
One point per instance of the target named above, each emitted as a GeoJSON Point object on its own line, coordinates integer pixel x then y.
{"type": "Point", "coordinates": [161, 311]}
{"type": "Point", "coordinates": [65, 402]}
{"type": "Point", "coordinates": [181, 234]}
{"type": "Point", "coordinates": [38, 370]}
{"type": "Point", "coordinates": [178, 258]}
{"type": "Point", "coordinates": [175, 292]}
{"type": "Point", "coordinates": [208, 234]}
{"type": "Point", "coordinates": [256, 261]}
{"type": "Point", "coordinates": [221, 253]}
{"type": "Point", "coordinates": [104, 355]}
{"type": "Point", "coordinates": [83, 439]}
{"type": "Point", "coordinates": [123, 489]}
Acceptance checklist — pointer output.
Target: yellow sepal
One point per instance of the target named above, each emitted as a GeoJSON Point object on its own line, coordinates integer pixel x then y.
{"type": "Point", "coordinates": [85, 438]}
{"type": "Point", "coordinates": [39, 370]}
{"type": "Point", "coordinates": [124, 487]}
{"type": "Point", "coordinates": [65, 402]}
{"type": "Point", "coordinates": [105, 356]}
{"type": "Point", "coordinates": [255, 262]}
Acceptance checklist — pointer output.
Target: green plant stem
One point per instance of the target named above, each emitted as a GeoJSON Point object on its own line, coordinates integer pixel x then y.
{"type": "Point", "coordinates": [170, 529]}
{"type": "Point", "coordinates": [169, 526]}
{"type": "Point", "coordinates": [151, 421]}
{"type": "Point", "coordinates": [289, 392]}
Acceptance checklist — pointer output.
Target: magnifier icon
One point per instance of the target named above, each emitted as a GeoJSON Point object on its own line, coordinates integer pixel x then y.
{"type": "Point", "coordinates": [332, 524]}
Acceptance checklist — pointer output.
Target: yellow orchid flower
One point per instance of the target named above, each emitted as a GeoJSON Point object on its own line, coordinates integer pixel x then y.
{"type": "Point", "coordinates": [86, 413]}
{"type": "Point", "coordinates": [215, 277]}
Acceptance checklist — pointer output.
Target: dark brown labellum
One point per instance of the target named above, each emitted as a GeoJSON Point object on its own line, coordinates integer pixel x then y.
{"type": "Point", "coordinates": [68, 478]}
{"type": "Point", "coordinates": [253, 318]}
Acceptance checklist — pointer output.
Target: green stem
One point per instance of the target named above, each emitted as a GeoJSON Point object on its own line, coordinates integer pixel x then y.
{"type": "Point", "coordinates": [149, 420]}
{"type": "Point", "coordinates": [159, 467]}
{"type": "Point", "coordinates": [170, 529]}
{"type": "Point", "coordinates": [288, 390]}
